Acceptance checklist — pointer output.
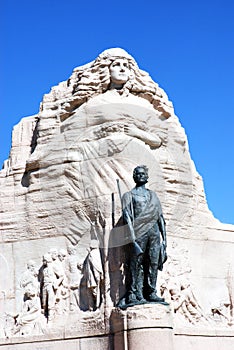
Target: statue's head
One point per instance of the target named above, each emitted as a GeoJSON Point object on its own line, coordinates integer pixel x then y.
{"type": "Point", "coordinates": [119, 73]}
{"type": "Point", "coordinates": [47, 259]}
{"type": "Point", "coordinates": [118, 67]}
{"type": "Point", "coordinates": [62, 254]}
{"type": "Point", "coordinates": [140, 175]}
{"type": "Point", "coordinates": [30, 292]}
{"type": "Point", "coordinates": [71, 250]}
{"type": "Point", "coordinates": [31, 265]}
{"type": "Point", "coordinates": [115, 68]}
{"type": "Point", "coordinates": [54, 253]}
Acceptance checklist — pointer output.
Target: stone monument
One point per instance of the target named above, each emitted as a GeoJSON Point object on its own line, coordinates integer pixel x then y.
{"type": "Point", "coordinates": [64, 267]}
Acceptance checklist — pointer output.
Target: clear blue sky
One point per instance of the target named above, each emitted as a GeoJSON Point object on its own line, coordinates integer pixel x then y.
{"type": "Point", "coordinates": [187, 47]}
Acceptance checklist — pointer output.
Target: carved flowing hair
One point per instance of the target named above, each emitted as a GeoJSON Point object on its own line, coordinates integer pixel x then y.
{"type": "Point", "coordinates": [94, 79]}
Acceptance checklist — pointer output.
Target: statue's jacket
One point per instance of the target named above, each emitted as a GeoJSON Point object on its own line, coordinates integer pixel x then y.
{"type": "Point", "coordinates": [148, 218]}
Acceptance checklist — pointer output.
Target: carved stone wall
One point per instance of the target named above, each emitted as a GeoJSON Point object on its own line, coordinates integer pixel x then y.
{"type": "Point", "coordinates": [59, 192]}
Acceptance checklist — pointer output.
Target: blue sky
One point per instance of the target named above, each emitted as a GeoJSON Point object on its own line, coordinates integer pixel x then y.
{"type": "Point", "coordinates": [187, 47]}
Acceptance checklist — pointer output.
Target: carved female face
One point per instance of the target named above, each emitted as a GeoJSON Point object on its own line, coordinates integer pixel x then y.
{"type": "Point", "coordinates": [119, 71]}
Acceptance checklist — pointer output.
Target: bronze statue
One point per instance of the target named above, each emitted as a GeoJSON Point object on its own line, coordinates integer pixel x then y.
{"type": "Point", "coordinates": [143, 214]}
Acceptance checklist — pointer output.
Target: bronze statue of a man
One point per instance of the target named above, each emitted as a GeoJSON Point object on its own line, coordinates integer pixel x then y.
{"type": "Point", "coordinates": [143, 214]}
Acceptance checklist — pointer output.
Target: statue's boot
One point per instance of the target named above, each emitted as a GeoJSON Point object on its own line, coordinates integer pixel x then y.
{"type": "Point", "coordinates": [152, 280]}
{"type": "Point", "coordinates": [153, 297]}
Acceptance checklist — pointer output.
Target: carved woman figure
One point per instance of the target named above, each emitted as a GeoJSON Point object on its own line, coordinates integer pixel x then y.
{"type": "Point", "coordinates": [115, 73]}
{"type": "Point", "coordinates": [109, 114]}
{"type": "Point", "coordinates": [114, 105]}
{"type": "Point", "coordinates": [103, 74]}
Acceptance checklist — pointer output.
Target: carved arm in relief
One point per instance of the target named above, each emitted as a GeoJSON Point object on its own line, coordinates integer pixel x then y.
{"type": "Point", "coordinates": [150, 139]}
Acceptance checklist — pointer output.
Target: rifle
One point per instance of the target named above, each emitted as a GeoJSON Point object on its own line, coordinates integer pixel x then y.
{"type": "Point", "coordinates": [113, 209]}
{"type": "Point", "coordinates": [137, 251]}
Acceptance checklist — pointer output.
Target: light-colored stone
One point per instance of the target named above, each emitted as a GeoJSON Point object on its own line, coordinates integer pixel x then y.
{"type": "Point", "coordinates": [56, 190]}
{"type": "Point", "coordinates": [142, 327]}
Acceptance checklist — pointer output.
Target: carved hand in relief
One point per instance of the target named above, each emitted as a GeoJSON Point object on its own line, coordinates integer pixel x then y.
{"type": "Point", "coordinates": [147, 137]}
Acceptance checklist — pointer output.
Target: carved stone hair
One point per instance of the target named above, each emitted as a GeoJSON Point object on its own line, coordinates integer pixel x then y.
{"type": "Point", "coordinates": [94, 79]}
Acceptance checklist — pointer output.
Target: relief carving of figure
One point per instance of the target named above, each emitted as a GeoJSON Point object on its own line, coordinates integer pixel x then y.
{"type": "Point", "coordinates": [31, 313]}
{"type": "Point", "coordinates": [30, 276]}
{"type": "Point", "coordinates": [58, 268]}
{"type": "Point", "coordinates": [74, 277]}
{"type": "Point", "coordinates": [116, 69]}
{"type": "Point", "coordinates": [185, 302]}
{"type": "Point", "coordinates": [93, 278]}
{"type": "Point", "coordinates": [49, 286]}
{"type": "Point", "coordinates": [113, 106]}
{"type": "Point", "coordinates": [115, 73]}
{"type": "Point", "coordinates": [30, 320]}
{"type": "Point", "coordinates": [176, 287]}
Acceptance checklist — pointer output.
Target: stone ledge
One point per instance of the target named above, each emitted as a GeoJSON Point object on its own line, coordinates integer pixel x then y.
{"type": "Point", "coordinates": [141, 316]}
{"type": "Point", "coordinates": [206, 332]}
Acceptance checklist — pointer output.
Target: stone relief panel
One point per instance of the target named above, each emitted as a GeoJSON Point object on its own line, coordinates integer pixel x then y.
{"type": "Point", "coordinates": [64, 284]}
{"type": "Point", "coordinates": [222, 313]}
{"type": "Point", "coordinates": [177, 288]}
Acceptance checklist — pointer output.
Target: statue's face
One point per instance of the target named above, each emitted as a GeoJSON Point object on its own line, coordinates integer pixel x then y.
{"type": "Point", "coordinates": [119, 71]}
{"type": "Point", "coordinates": [71, 251]}
{"type": "Point", "coordinates": [61, 256]}
{"type": "Point", "coordinates": [31, 267]}
{"type": "Point", "coordinates": [140, 177]}
{"type": "Point", "coordinates": [54, 254]}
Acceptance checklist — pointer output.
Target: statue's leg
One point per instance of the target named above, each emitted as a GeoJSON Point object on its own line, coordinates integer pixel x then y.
{"type": "Point", "coordinates": [139, 282]}
{"type": "Point", "coordinates": [51, 302]}
{"type": "Point", "coordinates": [135, 293]}
{"type": "Point", "coordinates": [151, 267]}
{"type": "Point", "coordinates": [44, 300]}
{"type": "Point", "coordinates": [131, 294]}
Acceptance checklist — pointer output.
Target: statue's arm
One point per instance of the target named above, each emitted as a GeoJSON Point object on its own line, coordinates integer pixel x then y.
{"type": "Point", "coordinates": [126, 207]}
{"type": "Point", "coordinates": [127, 214]}
{"type": "Point", "coordinates": [127, 219]}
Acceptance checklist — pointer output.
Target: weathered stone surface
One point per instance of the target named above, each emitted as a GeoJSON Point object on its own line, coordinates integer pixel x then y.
{"type": "Point", "coordinates": [56, 190]}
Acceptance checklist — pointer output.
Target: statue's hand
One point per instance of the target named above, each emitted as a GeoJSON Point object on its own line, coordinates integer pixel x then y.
{"type": "Point", "coordinates": [145, 136]}
{"type": "Point", "coordinates": [132, 130]}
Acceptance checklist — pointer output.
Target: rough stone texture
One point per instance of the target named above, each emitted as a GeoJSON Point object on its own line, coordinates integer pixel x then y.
{"type": "Point", "coordinates": [57, 185]}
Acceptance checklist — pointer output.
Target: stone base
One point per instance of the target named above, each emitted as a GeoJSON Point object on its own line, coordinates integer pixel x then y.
{"type": "Point", "coordinates": [142, 327]}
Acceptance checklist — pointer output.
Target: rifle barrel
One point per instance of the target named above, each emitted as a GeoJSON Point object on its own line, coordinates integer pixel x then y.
{"type": "Point", "coordinates": [113, 208]}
